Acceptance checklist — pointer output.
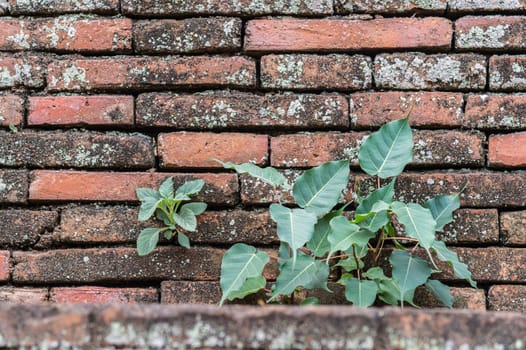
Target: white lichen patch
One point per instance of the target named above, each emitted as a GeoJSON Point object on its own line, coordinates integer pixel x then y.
{"type": "Point", "coordinates": [489, 37]}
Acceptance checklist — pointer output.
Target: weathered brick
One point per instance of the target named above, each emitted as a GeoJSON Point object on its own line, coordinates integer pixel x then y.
{"type": "Point", "coordinates": [98, 110]}
{"type": "Point", "coordinates": [192, 35]}
{"type": "Point", "coordinates": [490, 33]}
{"type": "Point", "coordinates": [66, 34]}
{"type": "Point", "coordinates": [11, 110]}
{"type": "Point", "coordinates": [91, 294]}
{"type": "Point", "coordinates": [4, 265]}
{"type": "Point", "coordinates": [507, 151]}
{"type": "Point", "coordinates": [116, 265]}
{"type": "Point", "coordinates": [314, 72]}
{"type": "Point", "coordinates": [152, 72]}
{"type": "Point", "coordinates": [194, 150]}
{"type": "Point", "coordinates": [25, 71]}
{"type": "Point", "coordinates": [13, 186]}
{"type": "Point", "coordinates": [407, 71]}
{"type": "Point", "coordinates": [464, 298]}
{"type": "Point", "coordinates": [48, 185]}
{"type": "Point", "coordinates": [513, 228]}
{"type": "Point", "coordinates": [468, 6]}
{"type": "Point", "coordinates": [41, 7]}
{"type": "Point", "coordinates": [76, 149]}
{"type": "Point", "coordinates": [427, 109]}
{"type": "Point", "coordinates": [23, 295]}
{"type": "Point", "coordinates": [390, 7]}
{"type": "Point", "coordinates": [433, 148]}
{"type": "Point", "coordinates": [239, 110]}
{"type": "Point", "coordinates": [278, 35]}
{"type": "Point", "coordinates": [24, 227]}
{"type": "Point", "coordinates": [507, 73]}
{"type": "Point", "coordinates": [496, 112]}
{"type": "Point", "coordinates": [236, 7]}
{"type": "Point", "coordinates": [472, 226]}
{"type": "Point", "coordinates": [507, 298]}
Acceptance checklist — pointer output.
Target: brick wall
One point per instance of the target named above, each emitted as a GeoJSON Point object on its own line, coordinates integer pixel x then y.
{"type": "Point", "coordinates": [108, 96]}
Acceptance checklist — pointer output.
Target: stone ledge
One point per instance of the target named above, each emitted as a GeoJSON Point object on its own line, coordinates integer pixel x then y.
{"type": "Point", "coordinates": [272, 327]}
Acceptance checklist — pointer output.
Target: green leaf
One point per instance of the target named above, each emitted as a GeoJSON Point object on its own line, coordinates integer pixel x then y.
{"type": "Point", "coordinates": [344, 235]}
{"type": "Point", "coordinates": [441, 292]}
{"type": "Point", "coordinates": [268, 175]}
{"type": "Point", "coordinates": [195, 207]}
{"type": "Point", "coordinates": [361, 293]}
{"type": "Point", "coordinates": [386, 152]}
{"type": "Point", "coordinates": [147, 208]}
{"type": "Point", "coordinates": [319, 244]}
{"type": "Point", "coordinates": [294, 226]}
{"type": "Point", "coordinates": [319, 189]}
{"type": "Point", "coordinates": [190, 188]}
{"type": "Point", "coordinates": [147, 240]}
{"type": "Point", "coordinates": [451, 258]}
{"type": "Point", "coordinates": [442, 208]}
{"type": "Point", "coordinates": [375, 273]}
{"type": "Point", "coordinates": [183, 240]}
{"type": "Point", "coordinates": [305, 272]}
{"type": "Point", "coordinates": [409, 271]}
{"type": "Point", "coordinates": [186, 219]}
{"type": "Point", "coordinates": [418, 222]}
{"type": "Point", "coordinates": [167, 188]}
{"type": "Point", "coordinates": [310, 301]}
{"type": "Point", "coordinates": [252, 285]}
{"type": "Point", "coordinates": [240, 263]}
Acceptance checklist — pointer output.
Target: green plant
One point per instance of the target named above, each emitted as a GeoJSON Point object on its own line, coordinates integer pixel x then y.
{"type": "Point", "coordinates": [315, 237]}
{"type": "Point", "coordinates": [169, 207]}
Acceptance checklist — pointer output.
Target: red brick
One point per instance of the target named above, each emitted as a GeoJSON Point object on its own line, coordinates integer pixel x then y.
{"type": "Point", "coordinates": [513, 228]}
{"type": "Point", "coordinates": [24, 227]}
{"type": "Point", "coordinates": [163, 8]}
{"type": "Point", "coordinates": [13, 186]}
{"type": "Point", "coordinates": [194, 150]}
{"type": "Point", "coordinates": [152, 72]}
{"type": "Point", "coordinates": [54, 7]}
{"type": "Point", "coordinates": [507, 73]}
{"type": "Point", "coordinates": [4, 265]}
{"type": "Point", "coordinates": [23, 295]}
{"type": "Point", "coordinates": [433, 148]}
{"type": "Point", "coordinates": [472, 226]}
{"type": "Point", "coordinates": [76, 149]}
{"type": "Point", "coordinates": [507, 150]}
{"type": "Point", "coordinates": [507, 298]}
{"type": "Point", "coordinates": [478, 6]}
{"type": "Point", "coordinates": [490, 33]}
{"type": "Point", "coordinates": [25, 71]}
{"type": "Point", "coordinates": [116, 265]}
{"type": "Point", "coordinates": [48, 185]}
{"type": "Point", "coordinates": [98, 110]}
{"type": "Point", "coordinates": [391, 7]}
{"type": "Point", "coordinates": [413, 71]}
{"type": "Point", "coordinates": [11, 110]}
{"type": "Point", "coordinates": [90, 294]}
{"type": "Point", "coordinates": [427, 109]}
{"type": "Point", "coordinates": [239, 110]}
{"type": "Point", "coordinates": [191, 35]}
{"type": "Point", "coordinates": [66, 34]}
{"type": "Point", "coordinates": [496, 112]}
{"type": "Point", "coordinates": [278, 35]}
{"type": "Point", "coordinates": [464, 298]}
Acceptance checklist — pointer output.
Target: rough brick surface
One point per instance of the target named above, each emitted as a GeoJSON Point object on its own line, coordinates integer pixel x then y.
{"type": "Point", "coordinates": [193, 35]}
{"type": "Point", "coordinates": [513, 228]}
{"type": "Point", "coordinates": [507, 298]}
{"type": "Point", "coordinates": [507, 150]}
{"type": "Point", "coordinates": [22, 71]}
{"type": "Point", "coordinates": [66, 34]}
{"type": "Point", "coordinates": [501, 112]}
{"type": "Point", "coordinates": [507, 73]}
{"type": "Point", "coordinates": [27, 7]}
{"type": "Point", "coordinates": [144, 73]}
{"type": "Point", "coordinates": [24, 227]}
{"type": "Point", "coordinates": [235, 7]}
{"type": "Point", "coordinates": [23, 295]}
{"type": "Point", "coordinates": [101, 110]}
{"type": "Point", "coordinates": [13, 186]}
{"type": "Point", "coordinates": [390, 7]}
{"type": "Point", "coordinates": [88, 294]}
{"type": "Point", "coordinates": [346, 35]}
{"type": "Point", "coordinates": [408, 71]}
{"type": "Point", "coordinates": [194, 150]}
{"type": "Point", "coordinates": [237, 110]}
{"type": "Point", "coordinates": [4, 265]}
{"type": "Point", "coordinates": [76, 149]}
{"type": "Point", "coordinates": [11, 110]}
{"type": "Point", "coordinates": [314, 72]}
{"type": "Point", "coordinates": [47, 185]}
{"type": "Point", "coordinates": [492, 33]}
{"type": "Point", "coordinates": [428, 109]}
